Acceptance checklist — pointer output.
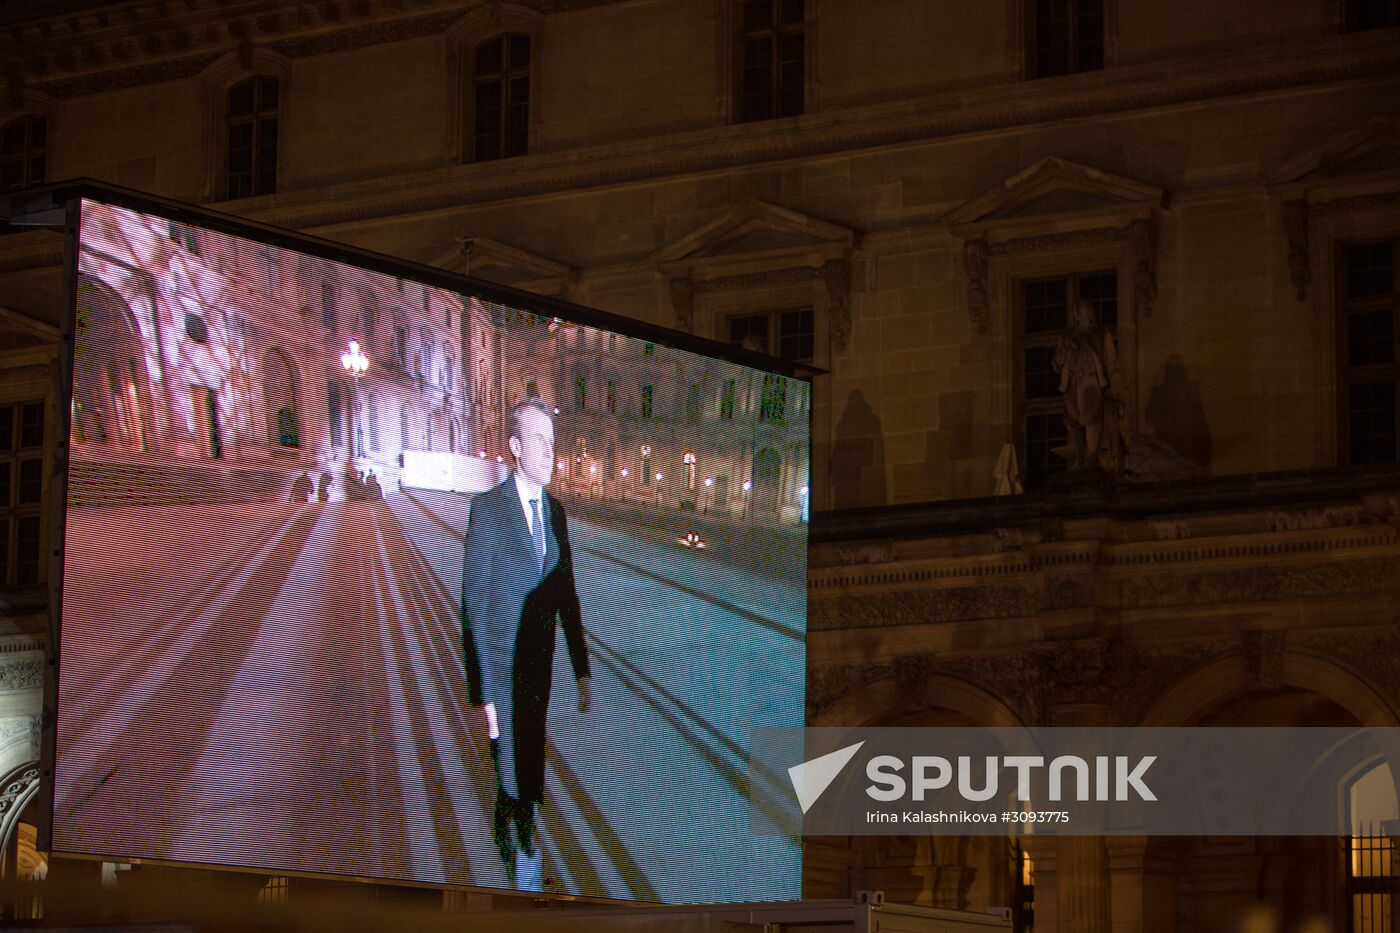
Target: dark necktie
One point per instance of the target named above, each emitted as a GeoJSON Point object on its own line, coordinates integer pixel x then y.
{"type": "Point", "coordinates": [537, 532]}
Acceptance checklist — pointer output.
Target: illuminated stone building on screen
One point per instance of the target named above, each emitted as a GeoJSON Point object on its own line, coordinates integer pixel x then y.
{"type": "Point", "coordinates": [913, 197]}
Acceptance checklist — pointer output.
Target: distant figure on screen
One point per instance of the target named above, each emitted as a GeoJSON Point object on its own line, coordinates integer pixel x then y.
{"type": "Point", "coordinates": [517, 584]}
{"type": "Point", "coordinates": [323, 489]}
{"type": "Point", "coordinates": [301, 488]}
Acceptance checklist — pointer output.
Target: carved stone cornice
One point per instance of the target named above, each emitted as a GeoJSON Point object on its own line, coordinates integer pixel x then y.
{"type": "Point", "coordinates": [1264, 583]}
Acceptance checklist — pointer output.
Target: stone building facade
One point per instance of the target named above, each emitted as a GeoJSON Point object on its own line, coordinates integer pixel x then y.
{"type": "Point", "coordinates": [910, 195]}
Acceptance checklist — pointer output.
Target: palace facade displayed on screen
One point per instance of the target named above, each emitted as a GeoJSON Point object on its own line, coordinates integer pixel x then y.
{"type": "Point", "coordinates": [274, 462]}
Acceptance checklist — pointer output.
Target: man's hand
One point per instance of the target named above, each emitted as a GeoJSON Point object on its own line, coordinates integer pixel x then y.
{"type": "Point", "coordinates": [585, 694]}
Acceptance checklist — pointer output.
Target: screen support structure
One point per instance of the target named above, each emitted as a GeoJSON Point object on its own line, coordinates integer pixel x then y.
{"type": "Point", "coordinates": [71, 218]}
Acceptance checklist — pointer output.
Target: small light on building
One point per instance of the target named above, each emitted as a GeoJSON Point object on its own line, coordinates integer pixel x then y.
{"type": "Point", "coordinates": [624, 472]}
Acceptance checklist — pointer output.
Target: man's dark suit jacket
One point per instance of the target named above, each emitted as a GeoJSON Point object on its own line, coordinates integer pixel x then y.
{"type": "Point", "coordinates": [508, 618]}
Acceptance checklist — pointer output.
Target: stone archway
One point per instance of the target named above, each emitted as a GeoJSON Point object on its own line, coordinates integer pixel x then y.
{"type": "Point", "coordinates": [1298, 879]}
{"type": "Point", "coordinates": [954, 872]}
{"type": "Point", "coordinates": [111, 386]}
{"type": "Point", "coordinates": [280, 395]}
{"type": "Point", "coordinates": [19, 790]}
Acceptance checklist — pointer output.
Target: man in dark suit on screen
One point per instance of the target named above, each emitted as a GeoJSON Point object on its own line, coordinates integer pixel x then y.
{"type": "Point", "coordinates": [517, 585]}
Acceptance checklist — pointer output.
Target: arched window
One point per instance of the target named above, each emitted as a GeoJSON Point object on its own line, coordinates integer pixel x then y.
{"type": "Point", "coordinates": [250, 119]}
{"type": "Point", "coordinates": [500, 89]}
{"type": "Point", "coordinates": [284, 427]}
{"type": "Point", "coordinates": [24, 152]}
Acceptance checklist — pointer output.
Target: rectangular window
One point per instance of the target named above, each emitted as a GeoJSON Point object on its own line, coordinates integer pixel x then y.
{"type": "Point", "coordinates": [790, 333]}
{"type": "Point", "coordinates": [500, 93]}
{"type": "Point", "coordinates": [1066, 37]}
{"type": "Point", "coordinates": [1043, 319]}
{"type": "Point", "coordinates": [1368, 362]}
{"type": "Point", "coordinates": [581, 393]}
{"type": "Point", "coordinates": [726, 401]}
{"type": "Point", "coordinates": [646, 401]}
{"type": "Point", "coordinates": [24, 148]}
{"type": "Point", "coordinates": [21, 493]}
{"type": "Point", "coordinates": [772, 67]}
{"type": "Point", "coordinates": [612, 397]}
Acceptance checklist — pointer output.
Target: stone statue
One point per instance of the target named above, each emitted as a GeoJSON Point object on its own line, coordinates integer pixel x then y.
{"type": "Point", "coordinates": [1087, 360]}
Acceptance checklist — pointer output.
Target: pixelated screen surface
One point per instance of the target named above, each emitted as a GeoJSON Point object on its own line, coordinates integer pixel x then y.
{"type": "Point", "coordinates": [317, 556]}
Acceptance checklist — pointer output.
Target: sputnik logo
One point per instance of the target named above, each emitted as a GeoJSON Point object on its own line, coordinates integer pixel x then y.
{"type": "Point", "coordinates": [811, 778]}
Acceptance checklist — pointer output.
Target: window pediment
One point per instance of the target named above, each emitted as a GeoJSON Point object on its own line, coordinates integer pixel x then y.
{"type": "Point", "coordinates": [756, 230]}
{"type": "Point", "coordinates": [495, 261]}
{"type": "Point", "coordinates": [1365, 148]}
{"type": "Point", "coordinates": [1069, 195]}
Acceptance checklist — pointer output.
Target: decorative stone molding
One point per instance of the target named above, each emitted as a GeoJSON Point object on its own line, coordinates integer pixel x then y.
{"type": "Point", "coordinates": [1142, 674]}
{"type": "Point", "coordinates": [1016, 679]}
{"type": "Point", "coordinates": [1267, 583]}
{"type": "Point", "coordinates": [1337, 516]}
{"type": "Point", "coordinates": [1142, 237]}
{"type": "Point", "coordinates": [26, 674]}
{"type": "Point", "coordinates": [837, 273]}
{"type": "Point", "coordinates": [828, 683]}
{"type": "Point", "coordinates": [25, 781]}
{"type": "Point", "coordinates": [911, 674]}
{"type": "Point", "coordinates": [1295, 224]}
{"type": "Point", "coordinates": [921, 607]}
{"type": "Point", "coordinates": [1369, 653]}
{"type": "Point", "coordinates": [683, 303]}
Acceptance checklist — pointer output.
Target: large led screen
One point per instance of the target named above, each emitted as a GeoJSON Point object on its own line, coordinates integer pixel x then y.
{"type": "Point", "coordinates": [369, 578]}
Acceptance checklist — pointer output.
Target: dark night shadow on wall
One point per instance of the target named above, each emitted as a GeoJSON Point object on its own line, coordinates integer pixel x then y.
{"type": "Point", "coordinates": [1175, 413]}
{"type": "Point", "coordinates": [858, 456]}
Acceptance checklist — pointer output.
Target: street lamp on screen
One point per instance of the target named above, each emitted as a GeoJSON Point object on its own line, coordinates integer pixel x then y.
{"type": "Point", "coordinates": [356, 364]}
